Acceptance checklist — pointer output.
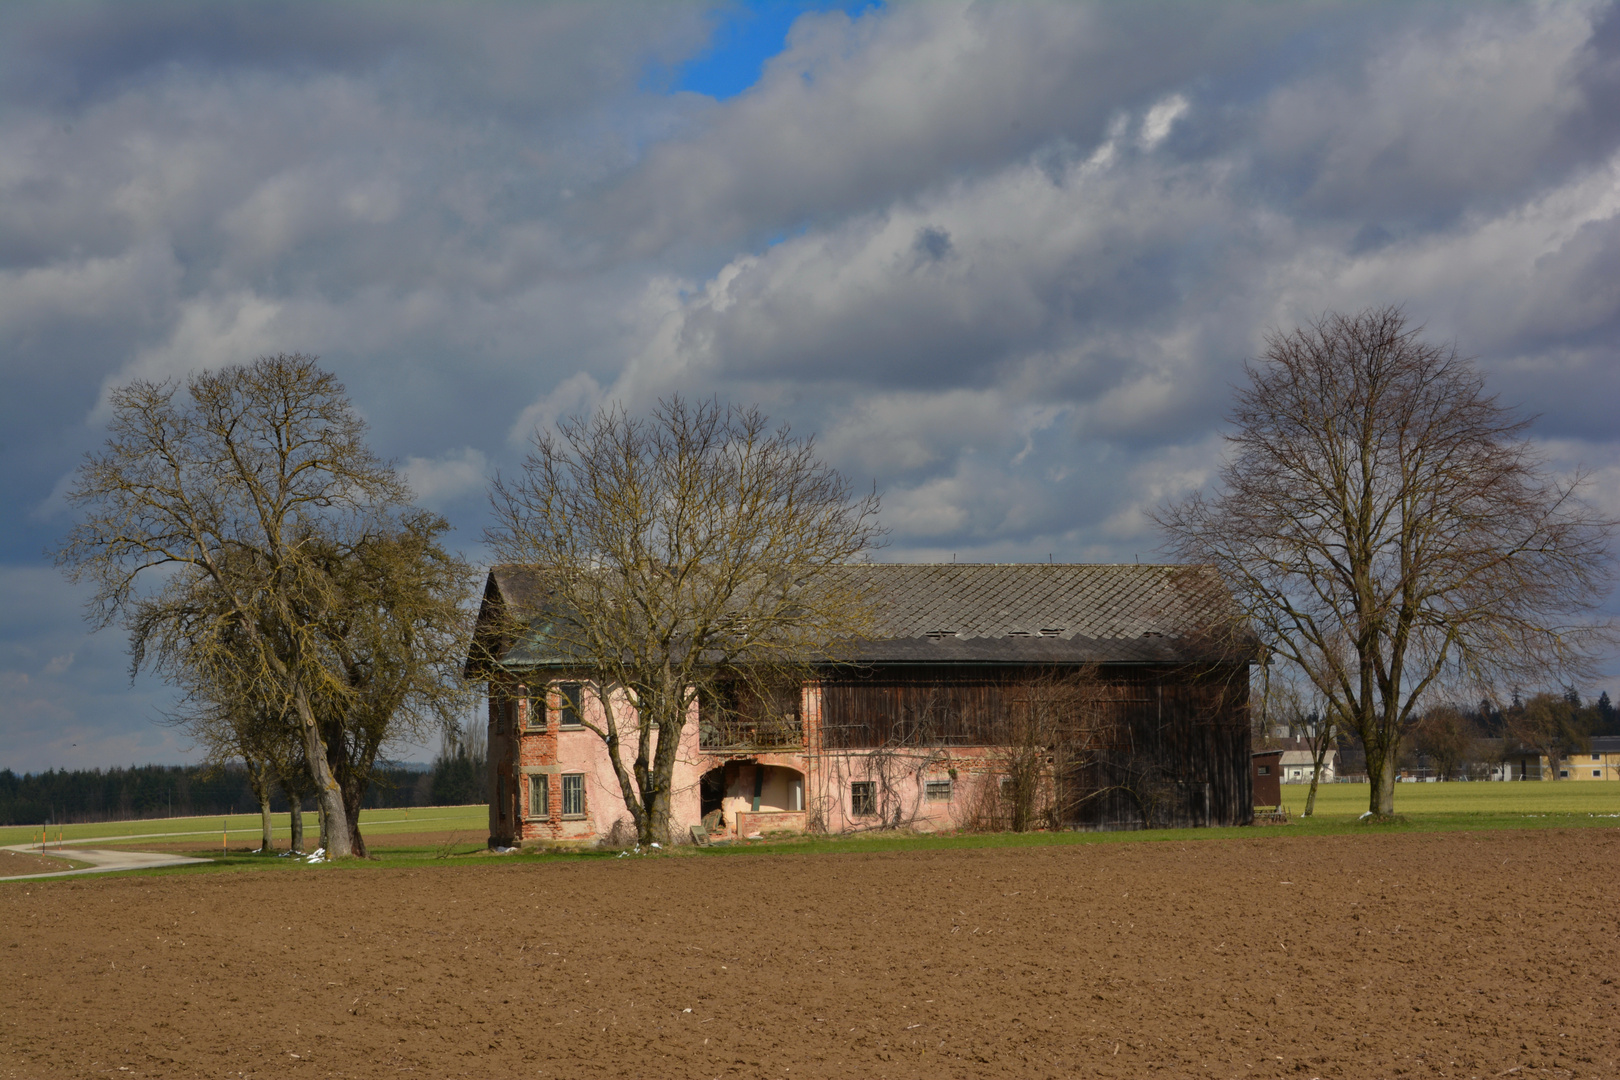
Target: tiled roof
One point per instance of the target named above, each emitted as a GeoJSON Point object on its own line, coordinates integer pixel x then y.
{"type": "Point", "coordinates": [1044, 611]}
{"type": "Point", "coordinates": [1014, 613]}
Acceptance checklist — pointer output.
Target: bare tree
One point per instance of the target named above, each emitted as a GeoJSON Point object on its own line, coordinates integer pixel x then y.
{"type": "Point", "coordinates": [395, 627]}
{"type": "Point", "coordinates": [1446, 737]}
{"type": "Point", "coordinates": [694, 548]}
{"type": "Point", "coordinates": [1389, 529]}
{"type": "Point", "coordinates": [1052, 723]}
{"type": "Point", "coordinates": [213, 496]}
{"type": "Point", "coordinates": [1294, 704]}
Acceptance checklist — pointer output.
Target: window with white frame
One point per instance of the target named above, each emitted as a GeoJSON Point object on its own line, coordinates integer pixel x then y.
{"type": "Point", "coordinates": [539, 795]}
{"type": "Point", "coordinates": [534, 710]}
{"type": "Point", "coordinates": [573, 795]}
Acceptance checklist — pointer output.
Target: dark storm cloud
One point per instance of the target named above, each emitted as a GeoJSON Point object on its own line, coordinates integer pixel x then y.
{"type": "Point", "coordinates": [1006, 259]}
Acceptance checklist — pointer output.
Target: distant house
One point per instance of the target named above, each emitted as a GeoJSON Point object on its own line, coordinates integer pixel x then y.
{"type": "Point", "coordinates": [1600, 761]}
{"type": "Point", "coordinates": [1299, 761]}
{"type": "Point", "coordinates": [912, 731]}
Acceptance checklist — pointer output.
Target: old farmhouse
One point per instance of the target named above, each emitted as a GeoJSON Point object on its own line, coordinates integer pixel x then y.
{"type": "Point", "coordinates": [1081, 696]}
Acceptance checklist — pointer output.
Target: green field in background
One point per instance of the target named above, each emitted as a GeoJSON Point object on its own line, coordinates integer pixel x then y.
{"type": "Point", "coordinates": [1518, 797]}
{"type": "Point", "coordinates": [245, 827]}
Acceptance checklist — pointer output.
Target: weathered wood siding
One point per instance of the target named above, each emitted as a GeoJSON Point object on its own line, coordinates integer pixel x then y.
{"type": "Point", "coordinates": [1154, 747]}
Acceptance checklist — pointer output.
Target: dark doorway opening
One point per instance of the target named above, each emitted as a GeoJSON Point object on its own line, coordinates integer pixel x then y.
{"type": "Point", "coordinates": [711, 792]}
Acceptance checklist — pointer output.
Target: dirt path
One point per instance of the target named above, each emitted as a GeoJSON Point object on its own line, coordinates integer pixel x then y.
{"type": "Point", "coordinates": [1438, 955]}
{"type": "Point", "coordinates": [102, 860]}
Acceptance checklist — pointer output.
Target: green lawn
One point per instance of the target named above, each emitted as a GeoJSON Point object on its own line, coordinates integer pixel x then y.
{"type": "Point", "coordinates": [1530, 798]}
{"type": "Point", "coordinates": [244, 828]}
{"type": "Point", "coordinates": [1422, 808]}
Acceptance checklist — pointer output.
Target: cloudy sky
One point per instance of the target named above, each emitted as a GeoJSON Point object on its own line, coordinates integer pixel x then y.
{"type": "Point", "coordinates": [1005, 259]}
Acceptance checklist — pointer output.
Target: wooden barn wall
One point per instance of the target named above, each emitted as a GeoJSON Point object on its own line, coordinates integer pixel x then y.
{"type": "Point", "coordinates": [1164, 746]}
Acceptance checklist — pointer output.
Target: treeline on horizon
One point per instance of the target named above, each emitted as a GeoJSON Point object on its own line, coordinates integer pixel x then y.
{"type": "Point", "coordinates": [1454, 740]}
{"type": "Point", "coordinates": [139, 792]}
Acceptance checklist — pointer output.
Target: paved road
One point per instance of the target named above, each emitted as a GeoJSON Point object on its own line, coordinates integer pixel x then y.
{"type": "Point", "coordinates": [104, 860]}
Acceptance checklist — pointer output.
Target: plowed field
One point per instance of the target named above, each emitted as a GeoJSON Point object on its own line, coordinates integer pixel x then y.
{"type": "Point", "coordinates": [1460, 954]}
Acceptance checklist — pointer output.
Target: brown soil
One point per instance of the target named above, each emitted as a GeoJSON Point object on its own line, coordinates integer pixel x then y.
{"type": "Point", "coordinates": [13, 863]}
{"type": "Point", "coordinates": [1463, 954]}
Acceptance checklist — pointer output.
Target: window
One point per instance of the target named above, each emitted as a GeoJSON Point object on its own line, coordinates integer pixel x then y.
{"type": "Point", "coordinates": [1563, 774]}
{"type": "Point", "coordinates": [1597, 772]}
{"type": "Point", "coordinates": [568, 706]}
{"type": "Point", "coordinates": [939, 791]}
{"type": "Point", "coordinates": [1265, 770]}
{"type": "Point", "coordinates": [539, 796]}
{"type": "Point", "coordinates": [534, 712]}
{"type": "Point", "coordinates": [1594, 757]}
{"type": "Point", "coordinates": [863, 798]}
{"type": "Point", "coordinates": [573, 795]}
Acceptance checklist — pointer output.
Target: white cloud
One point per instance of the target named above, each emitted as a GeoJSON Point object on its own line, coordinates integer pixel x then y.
{"type": "Point", "coordinates": [1160, 119]}
{"type": "Point", "coordinates": [453, 475]}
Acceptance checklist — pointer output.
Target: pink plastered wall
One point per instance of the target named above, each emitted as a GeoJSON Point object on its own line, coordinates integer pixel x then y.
{"type": "Point", "coordinates": [810, 788]}
{"type": "Point", "coordinates": [549, 752]}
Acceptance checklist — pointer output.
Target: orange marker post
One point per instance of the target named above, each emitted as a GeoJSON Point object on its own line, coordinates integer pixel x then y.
{"type": "Point", "coordinates": [224, 837]}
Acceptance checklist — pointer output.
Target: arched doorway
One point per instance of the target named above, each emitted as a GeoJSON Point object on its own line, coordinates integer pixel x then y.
{"type": "Point", "coordinates": [753, 798]}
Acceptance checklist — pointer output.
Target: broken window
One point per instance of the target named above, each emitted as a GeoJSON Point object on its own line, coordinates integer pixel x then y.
{"type": "Point", "coordinates": [573, 795]}
{"type": "Point", "coordinates": [863, 798]}
{"type": "Point", "coordinates": [939, 791]}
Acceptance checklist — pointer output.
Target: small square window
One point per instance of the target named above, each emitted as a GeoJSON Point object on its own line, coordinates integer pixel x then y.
{"type": "Point", "coordinates": [573, 795]}
{"type": "Point", "coordinates": [1563, 774]}
{"type": "Point", "coordinates": [1594, 757]}
{"type": "Point", "coordinates": [1265, 770]}
{"type": "Point", "coordinates": [1597, 772]}
{"type": "Point", "coordinates": [939, 791]}
{"type": "Point", "coordinates": [863, 798]}
{"type": "Point", "coordinates": [539, 796]}
{"type": "Point", "coordinates": [568, 705]}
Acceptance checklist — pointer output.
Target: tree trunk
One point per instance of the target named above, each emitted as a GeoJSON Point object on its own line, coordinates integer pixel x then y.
{"type": "Point", "coordinates": [1381, 778]}
{"type": "Point", "coordinates": [1320, 755]}
{"type": "Point", "coordinates": [296, 807]}
{"type": "Point", "coordinates": [334, 820]}
{"type": "Point", "coordinates": [267, 838]}
{"type": "Point", "coordinates": [352, 800]}
{"type": "Point", "coordinates": [259, 780]}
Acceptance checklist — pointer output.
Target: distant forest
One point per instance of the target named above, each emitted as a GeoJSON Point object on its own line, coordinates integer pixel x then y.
{"type": "Point", "coordinates": [60, 797]}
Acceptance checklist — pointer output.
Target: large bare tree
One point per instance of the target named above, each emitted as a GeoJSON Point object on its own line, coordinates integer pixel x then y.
{"type": "Point", "coordinates": [1389, 529]}
{"type": "Point", "coordinates": [682, 554]}
{"type": "Point", "coordinates": [395, 627]}
{"type": "Point", "coordinates": [204, 518]}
